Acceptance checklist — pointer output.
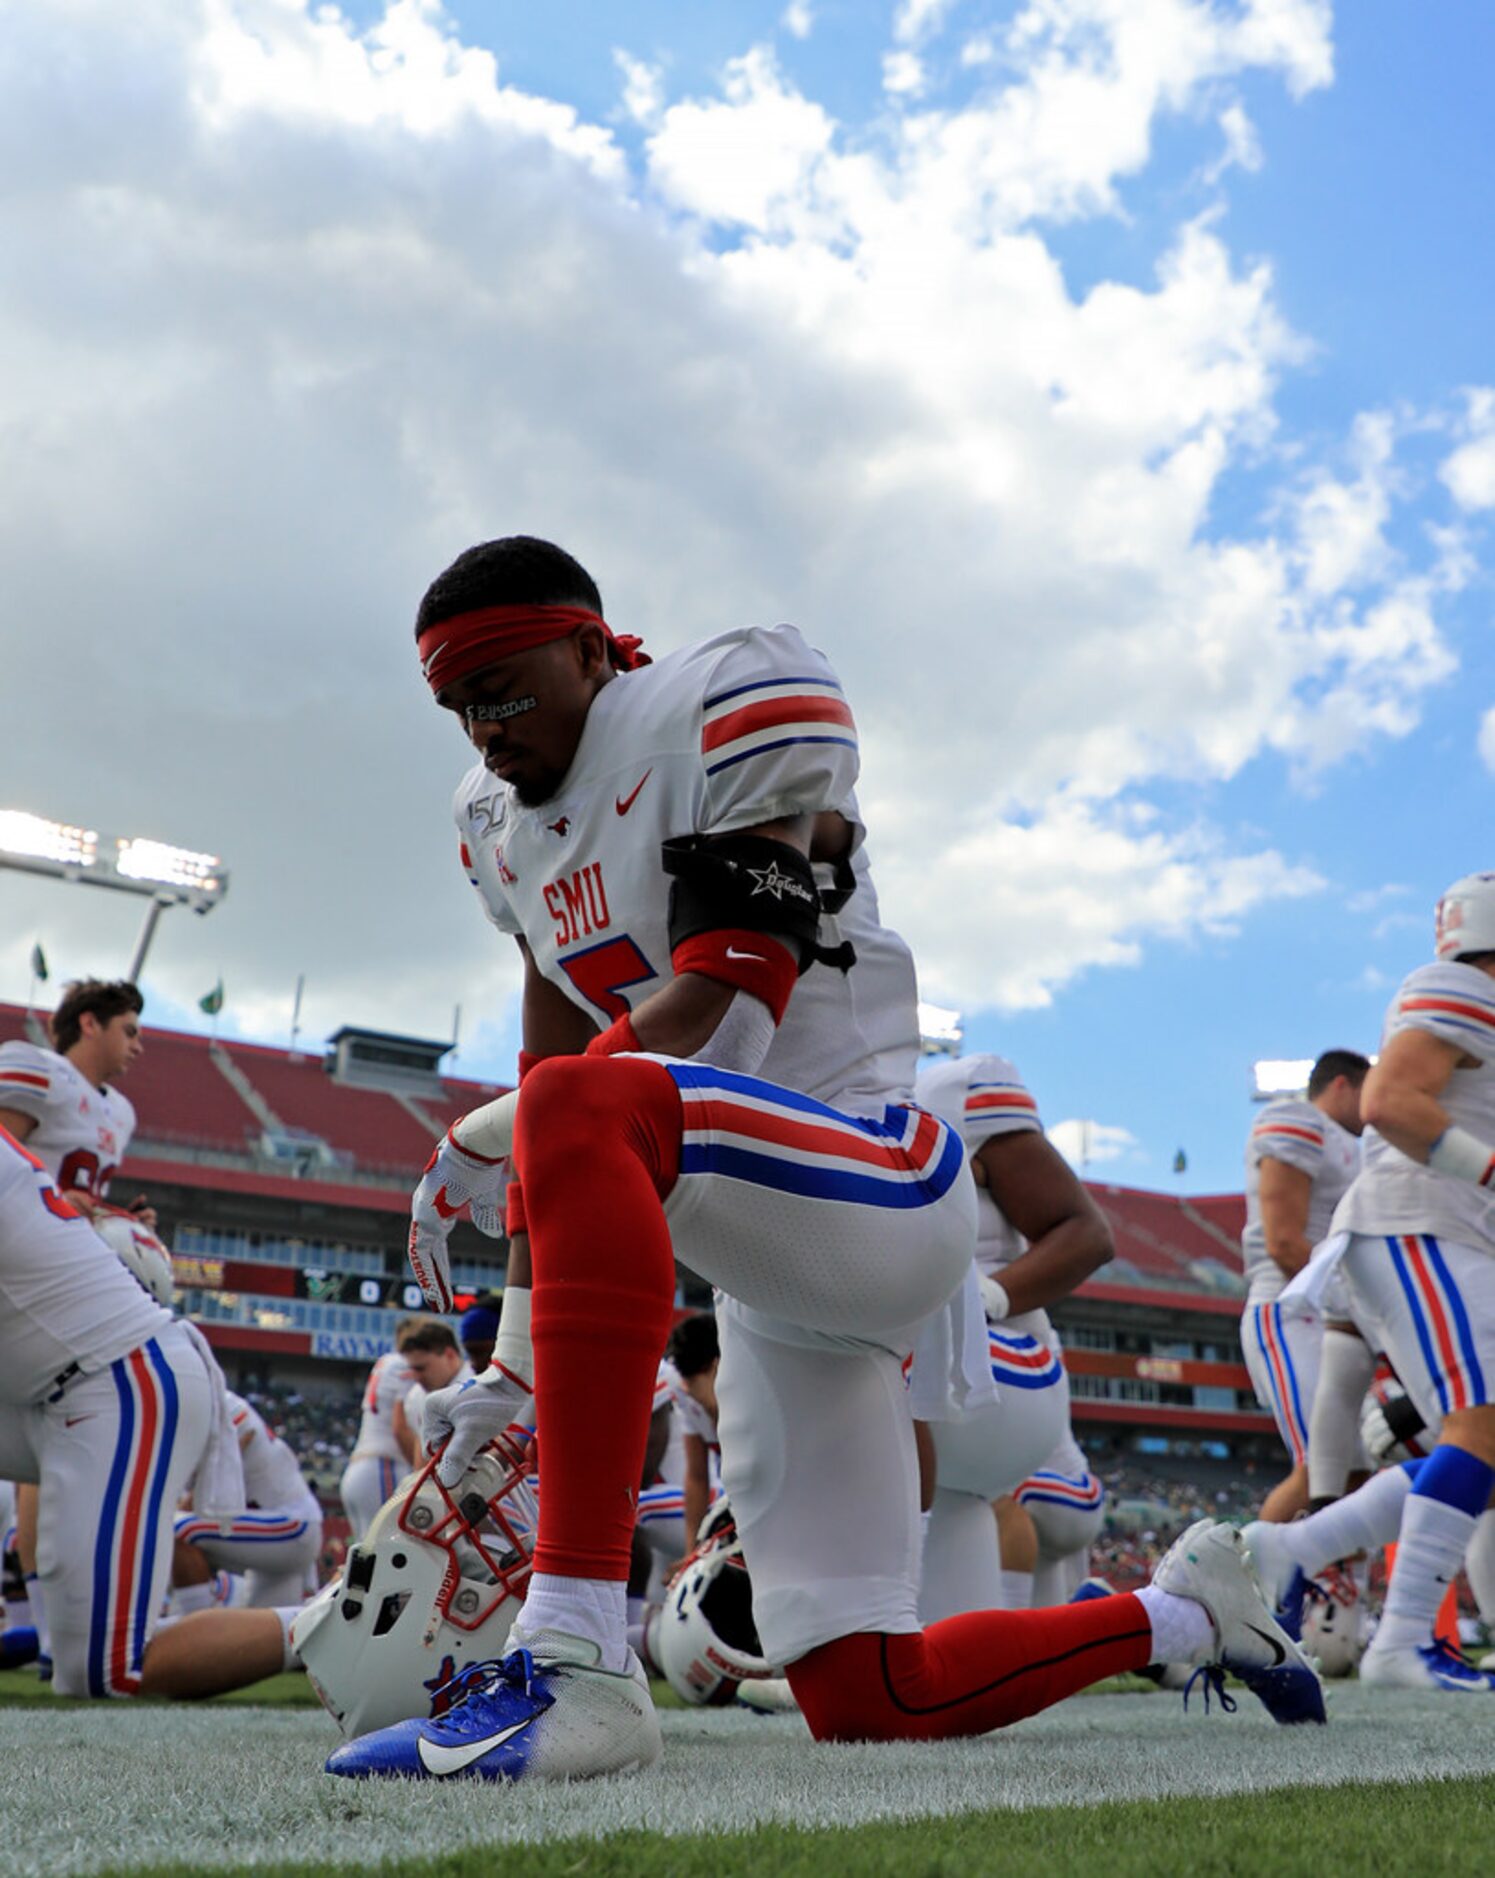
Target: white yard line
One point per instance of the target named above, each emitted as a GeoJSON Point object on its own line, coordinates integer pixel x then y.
{"type": "Point", "coordinates": [84, 1789]}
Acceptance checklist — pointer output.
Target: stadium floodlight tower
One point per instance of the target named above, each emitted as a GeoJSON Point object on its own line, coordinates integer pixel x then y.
{"type": "Point", "coordinates": [167, 876]}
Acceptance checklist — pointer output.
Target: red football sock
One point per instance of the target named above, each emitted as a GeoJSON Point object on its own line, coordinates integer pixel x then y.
{"type": "Point", "coordinates": [967, 1674]}
{"type": "Point", "coordinates": [597, 1146]}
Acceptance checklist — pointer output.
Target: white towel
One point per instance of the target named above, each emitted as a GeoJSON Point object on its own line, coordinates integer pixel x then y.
{"type": "Point", "coordinates": [1303, 1294]}
{"type": "Point", "coordinates": [951, 1371]}
{"type": "Point", "coordinates": [217, 1487]}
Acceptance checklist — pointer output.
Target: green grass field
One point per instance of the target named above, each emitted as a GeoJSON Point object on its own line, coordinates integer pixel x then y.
{"type": "Point", "coordinates": [1118, 1784]}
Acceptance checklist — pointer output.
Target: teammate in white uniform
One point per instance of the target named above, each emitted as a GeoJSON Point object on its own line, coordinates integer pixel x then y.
{"type": "Point", "coordinates": [279, 1533]}
{"type": "Point", "coordinates": [833, 1216]}
{"type": "Point", "coordinates": [377, 1466]}
{"type": "Point", "coordinates": [1300, 1159]}
{"type": "Point", "coordinates": [1039, 1235]}
{"type": "Point", "coordinates": [1420, 1265]}
{"type": "Point", "coordinates": [431, 1355]}
{"type": "Point", "coordinates": [62, 1102]}
{"type": "Point", "coordinates": [106, 1403]}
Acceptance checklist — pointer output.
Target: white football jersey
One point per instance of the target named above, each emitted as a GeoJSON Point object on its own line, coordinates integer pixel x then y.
{"type": "Point", "coordinates": [81, 1133]}
{"type": "Point", "coordinates": [748, 727]}
{"type": "Point", "coordinates": [1302, 1136]}
{"type": "Point", "coordinates": [66, 1301]}
{"type": "Point", "coordinates": [979, 1097]}
{"type": "Point", "coordinates": [272, 1474]}
{"type": "Point", "coordinates": [666, 1382]}
{"type": "Point", "coordinates": [389, 1380]}
{"type": "Point", "coordinates": [1395, 1194]}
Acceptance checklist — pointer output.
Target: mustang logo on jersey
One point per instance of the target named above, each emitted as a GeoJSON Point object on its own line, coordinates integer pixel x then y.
{"type": "Point", "coordinates": [578, 904]}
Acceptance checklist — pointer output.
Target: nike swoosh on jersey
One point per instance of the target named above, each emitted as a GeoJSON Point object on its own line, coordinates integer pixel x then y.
{"type": "Point", "coordinates": [624, 803]}
{"type": "Point", "coordinates": [72, 1421]}
{"type": "Point", "coordinates": [445, 1761]}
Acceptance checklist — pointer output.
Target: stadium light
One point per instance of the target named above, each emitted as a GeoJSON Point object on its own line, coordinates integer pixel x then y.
{"type": "Point", "coordinates": [1274, 1076]}
{"type": "Point", "coordinates": [128, 863]}
{"type": "Point", "coordinates": [941, 1032]}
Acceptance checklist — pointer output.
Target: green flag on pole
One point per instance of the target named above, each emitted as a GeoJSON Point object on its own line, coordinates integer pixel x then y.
{"type": "Point", "coordinates": [212, 1004]}
{"type": "Point", "coordinates": [38, 963]}
{"type": "Point", "coordinates": [1180, 1162]}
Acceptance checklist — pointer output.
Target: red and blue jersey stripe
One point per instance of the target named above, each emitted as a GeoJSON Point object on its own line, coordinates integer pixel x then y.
{"type": "Point", "coordinates": [1049, 1488]}
{"type": "Point", "coordinates": [745, 1129]}
{"type": "Point", "coordinates": [1022, 1362]}
{"type": "Point", "coordinates": [253, 1528]}
{"type": "Point", "coordinates": [1444, 1333]}
{"type": "Point", "coordinates": [750, 720]}
{"type": "Point", "coordinates": [130, 1520]}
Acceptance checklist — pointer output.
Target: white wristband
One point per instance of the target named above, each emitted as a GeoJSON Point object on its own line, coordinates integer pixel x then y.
{"type": "Point", "coordinates": [1461, 1154]}
{"type": "Point", "coordinates": [489, 1131]}
{"type": "Point", "coordinates": [994, 1297]}
{"type": "Point", "coordinates": [512, 1347]}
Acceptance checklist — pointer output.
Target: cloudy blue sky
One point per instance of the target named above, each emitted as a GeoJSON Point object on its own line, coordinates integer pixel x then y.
{"type": "Point", "coordinates": [1105, 384]}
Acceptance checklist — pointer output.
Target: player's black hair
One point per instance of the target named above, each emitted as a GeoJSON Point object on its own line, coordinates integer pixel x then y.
{"type": "Point", "coordinates": [105, 999]}
{"type": "Point", "coordinates": [1347, 1063]}
{"type": "Point", "coordinates": [518, 570]}
{"type": "Point", "coordinates": [693, 1345]}
{"type": "Point", "coordinates": [425, 1333]}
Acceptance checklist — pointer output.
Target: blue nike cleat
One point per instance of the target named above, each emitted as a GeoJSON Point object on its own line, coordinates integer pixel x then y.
{"type": "Point", "coordinates": [1210, 1564]}
{"type": "Point", "coordinates": [545, 1712]}
{"type": "Point", "coordinates": [1427, 1666]}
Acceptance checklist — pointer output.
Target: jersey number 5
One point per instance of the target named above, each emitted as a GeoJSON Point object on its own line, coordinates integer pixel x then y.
{"type": "Point", "coordinates": [600, 972]}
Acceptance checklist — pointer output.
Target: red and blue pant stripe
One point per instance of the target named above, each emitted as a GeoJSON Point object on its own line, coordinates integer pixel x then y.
{"type": "Point", "coordinates": [1440, 1319]}
{"type": "Point", "coordinates": [1282, 1377]}
{"type": "Point", "coordinates": [130, 1530]}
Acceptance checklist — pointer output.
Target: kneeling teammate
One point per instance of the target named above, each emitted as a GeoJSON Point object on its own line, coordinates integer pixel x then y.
{"type": "Point", "coordinates": [651, 835]}
{"type": "Point", "coordinates": [1039, 1235]}
{"type": "Point", "coordinates": [106, 1402]}
{"type": "Point", "coordinates": [274, 1541]}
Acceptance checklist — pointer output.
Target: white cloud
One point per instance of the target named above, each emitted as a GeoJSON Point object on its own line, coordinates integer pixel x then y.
{"type": "Point", "coordinates": [1085, 1142]}
{"type": "Point", "coordinates": [297, 311]}
{"type": "Point", "coordinates": [1242, 144]}
{"type": "Point", "coordinates": [1469, 471]}
{"type": "Point", "coordinates": [1487, 740]}
{"type": "Point", "coordinates": [902, 74]}
{"type": "Point", "coordinates": [643, 88]}
{"type": "Point", "coordinates": [798, 19]}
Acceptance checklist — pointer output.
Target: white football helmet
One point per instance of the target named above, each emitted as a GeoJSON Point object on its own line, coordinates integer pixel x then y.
{"type": "Point", "coordinates": [702, 1639]}
{"type": "Point", "coordinates": [430, 1590]}
{"type": "Point", "coordinates": [1465, 919]}
{"type": "Point", "coordinates": [139, 1250]}
{"type": "Point", "coordinates": [1331, 1622]}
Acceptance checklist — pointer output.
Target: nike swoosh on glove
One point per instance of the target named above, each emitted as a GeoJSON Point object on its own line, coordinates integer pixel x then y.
{"type": "Point", "coordinates": [468, 1415]}
{"type": "Point", "coordinates": [455, 1179]}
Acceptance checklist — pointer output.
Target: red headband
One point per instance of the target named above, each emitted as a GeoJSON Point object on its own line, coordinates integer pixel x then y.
{"type": "Point", "coordinates": [467, 642]}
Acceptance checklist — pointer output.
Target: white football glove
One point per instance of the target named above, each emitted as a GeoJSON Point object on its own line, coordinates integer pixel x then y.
{"type": "Point", "coordinates": [472, 1414]}
{"type": "Point", "coordinates": [454, 1178]}
{"type": "Point", "coordinates": [1388, 1422]}
{"type": "Point", "coordinates": [994, 1298]}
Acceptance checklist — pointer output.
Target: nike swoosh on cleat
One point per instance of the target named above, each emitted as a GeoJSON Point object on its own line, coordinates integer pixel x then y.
{"type": "Point", "coordinates": [624, 803]}
{"type": "Point", "coordinates": [445, 1761]}
{"type": "Point", "coordinates": [1279, 1655]}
